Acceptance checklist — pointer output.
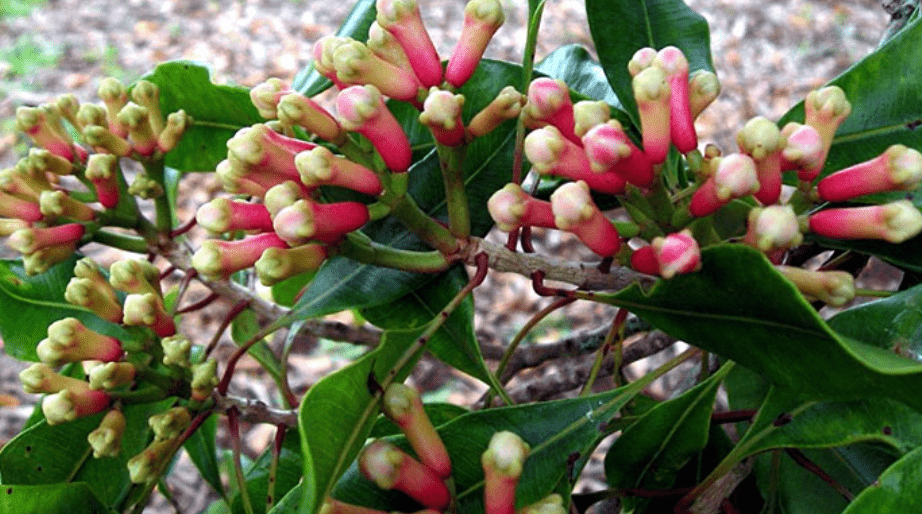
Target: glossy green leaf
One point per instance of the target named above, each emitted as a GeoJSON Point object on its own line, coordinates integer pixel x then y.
{"type": "Point", "coordinates": [356, 24]}
{"type": "Point", "coordinates": [907, 255]}
{"type": "Point", "coordinates": [650, 453]}
{"type": "Point", "coordinates": [288, 473]}
{"type": "Point", "coordinates": [217, 112]}
{"type": "Point", "coordinates": [44, 454]}
{"type": "Point", "coordinates": [893, 323]}
{"type": "Point", "coordinates": [895, 491]}
{"type": "Point", "coordinates": [621, 28]}
{"type": "Point", "coordinates": [339, 411]}
{"type": "Point", "coordinates": [342, 283]}
{"type": "Point", "coordinates": [455, 343]}
{"type": "Point", "coordinates": [739, 307]}
{"type": "Point", "coordinates": [245, 326]}
{"type": "Point", "coordinates": [574, 65]}
{"type": "Point", "coordinates": [202, 451]}
{"type": "Point", "coordinates": [30, 499]}
{"type": "Point", "coordinates": [290, 502]}
{"type": "Point", "coordinates": [30, 304]}
{"type": "Point", "coordinates": [885, 90]}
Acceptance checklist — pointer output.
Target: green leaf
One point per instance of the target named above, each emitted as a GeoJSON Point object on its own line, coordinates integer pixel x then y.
{"type": "Point", "coordinates": [574, 65]}
{"type": "Point", "coordinates": [44, 454]}
{"type": "Point", "coordinates": [245, 326]}
{"type": "Point", "coordinates": [202, 451]}
{"type": "Point", "coordinates": [650, 452]}
{"type": "Point", "coordinates": [455, 343]}
{"type": "Point", "coordinates": [30, 304]}
{"type": "Point", "coordinates": [895, 491]}
{"type": "Point", "coordinates": [907, 255]}
{"type": "Point", "coordinates": [739, 307]}
{"type": "Point", "coordinates": [342, 283]}
{"type": "Point", "coordinates": [29, 499]}
{"type": "Point", "coordinates": [893, 323]}
{"type": "Point", "coordinates": [288, 473]}
{"type": "Point", "coordinates": [356, 24]}
{"type": "Point", "coordinates": [621, 28]}
{"type": "Point", "coordinates": [217, 113]}
{"type": "Point", "coordinates": [339, 411]}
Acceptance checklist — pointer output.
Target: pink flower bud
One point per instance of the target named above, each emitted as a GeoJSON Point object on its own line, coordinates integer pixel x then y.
{"type": "Point", "coordinates": [21, 185]}
{"type": "Point", "coordinates": [773, 228]}
{"type": "Point", "coordinates": [259, 154]}
{"type": "Point", "coordinates": [222, 258]}
{"type": "Point", "coordinates": [356, 64]}
{"type": "Point", "coordinates": [512, 208]}
{"type": "Point", "coordinates": [893, 222]}
{"type": "Point", "coordinates": [112, 375]}
{"type": "Point", "coordinates": [176, 125]}
{"type": "Point", "coordinates": [835, 288]}
{"type": "Point", "coordinates": [361, 109]}
{"type": "Point", "coordinates": [44, 161]}
{"type": "Point", "coordinates": [106, 440]}
{"type": "Point", "coordinates": [442, 114]}
{"type": "Point", "coordinates": [506, 106]}
{"type": "Point", "coordinates": [102, 170]}
{"type": "Point", "coordinates": [147, 95]}
{"type": "Point", "coordinates": [803, 151]}
{"type": "Point", "coordinates": [281, 196]}
{"type": "Point", "coordinates": [390, 468]}
{"type": "Point", "coordinates": [86, 293]}
{"type": "Point", "coordinates": [402, 405]}
{"type": "Point", "coordinates": [897, 169]}
{"type": "Point", "coordinates": [502, 462]}
{"type": "Point", "coordinates": [235, 181]}
{"type": "Point", "coordinates": [482, 18]}
{"type": "Point", "coordinates": [223, 215]}
{"type": "Point", "coordinates": [57, 204]}
{"type": "Point", "coordinates": [266, 95]}
{"type": "Point", "coordinates": [677, 254]}
{"type": "Point", "coordinates": [323, 57]}
{"type": "Point", "coordinates": [306, 220]}
{"type": "Point", "coordinates": [105, 141]}
{"type": "Point", "coordinates": [277, 264]}
{"type": "Point", "coordinates": [609, 149]}
{"type": "Point", "coordinates": [147, 310]}
{"type": "Point", "coordinates": [549, 103]}
{"type": "Point", "coordinates": [682, 125]}
{"type": "Point", "coordinates": [14, 207]}
{"type": "Point", "coordinates": [643, 260]}
{"type": "Point", "coordinates": [29, 240]}
{"type": "Point", "coordinates": [72, 403]}
{"type": "Point", "coordinates": [134, 276]}
{"type": "Point", "coordinates": [703, 88]}
{"type": "Point", "coordinates": [320, 167]}
{"type": "Point", "coordinates": [735, 177]}
{"type": "Point", "coordinates": [386, 46]}
{"type": "Point", "coordinates": [652, 92]}
{"type": "Point", "coordinates": [44, 126]}
{"type": "Point", "coordinates": [8, 226]}
{"type": "Point", "coordinates": [825, 109]}
{"type": "Point", "coordinates": [297, 109]}
{"type": "Point", "coordinates": [588, 114]}
{"type": "Point", "coordinates": [641, 60]}
{"type": "Point", "coordinates": [761, 140]}
{"type": "Point", "coordinates": [402, 19]}
{"type": "Point", "coordinates": [575, 212]}
{"type": "Point", "coordinates": [114, 95]}
{"type": "Point", "coordinates": [39, 378]}
{"type": "Point", "coordinates": [551, 153]}
{"type": "Point", "coordinates": [42, 260]}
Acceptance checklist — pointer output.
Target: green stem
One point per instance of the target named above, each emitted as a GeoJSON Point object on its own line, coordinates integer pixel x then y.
{"type": "Point", "coordinates": [155, 171]}
{"type": "Point", "coordinates": [599, 357]}
{"type": "Point", "coordinates": [451, 160]}
{"type": "Point", "coordinates": [144, 395]}
{"type": "Point", "coordinates": [359, 248]}
{"type": "Point", "coordinates": [421, 224]}
{"type": "Point", "coordinates": [874, 293]}
{"type": "Point", "coordinates": [377, 211]}
{"type": "Point", "coordinates": [528, 64]}
{"type": "Point", "coordinates": [121, 241]}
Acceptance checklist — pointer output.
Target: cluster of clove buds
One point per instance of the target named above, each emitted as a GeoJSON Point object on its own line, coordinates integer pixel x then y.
{"type": "Point", "coordinates": [150, 364]}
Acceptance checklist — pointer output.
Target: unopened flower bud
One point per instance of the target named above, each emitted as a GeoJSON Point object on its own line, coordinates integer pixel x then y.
{"type": "Point", "coordinates": [87, 268]}
{"type": "Point", "coordinates": [677, 254]}
{"type": "Point", "coordinates": [266, 95]}
{"type": "Point", "coordinates": [681, 123]}
{"type": "Point", "coordinates": [86, 293]}
{"type": "Point", "coordinates": [506, 106]}
{"type": "Point", "coordinates": [112, 375]}
{"type": "Point", "coordinates": [44, 127]}
{"type": "Point", "coordinates": [356, 64]}
{"type": "Point", "coordinates": [106, 440]}
{"type": "Point", "coordinates": [104, 140]}
{"type": "Point", "coordinates": [42, 260]}
{"type": "Point", "coordinates": [224, 215]}
{"type": "Point", "coordinates": [609, 149]}
{"type": "Point", "coordinates": [703, 88]}
{"type": "Point", "coordinates": [30, 240]}
{"type": "Point", "coordinates": [588, 114]}
{"type": "Point", "coordinates": [277, 264]}
{"type": "Point", "coordinates": [320, 167]}
{"type": "Point", "coordinates": [282, 195]}
{"type": "Point", "coordinates": [72, 403]}
{"type": "Point", "coordinates": [103, 171]}
{"type": "Point", "coordinates": [114, 95]}
{"type": "Point", "coordinates": [835, 288]}
{"type": "Point", "coordinates": [502, 462]}
{"type": "Point", "coordinates": [307, 220]}
{"type": "Point", "coordinates": [145, 466]}
{"type": "Point", "coordinates": [641, 60]}
{"type": "Point", "coordinates": [773, 228]}
{"type": "Point", "coordinates": [652, 92]}
{"type": "Point", "coordinates": [68, 106]}
{"type": "Point", "coordinates": [803, 151]}
{"type": "Point", "coordinates": [14, 207]}
{"type": "Point", "coordinates": [236, 182]}
{"type": "Point", "coordinates": [361, 109]}
{"type": "Point", "coordinates": [482, 18]}
{"type": "Point", "coordinates": [897, 169]}
{"type": "Point", "coordinates": [170, 424]}
{"type": "Point", "coordinates": [69, 340]}
{"type": "Point", "coordinates": [512, 208]}
{"type": "Point", "coordinates": [323, 57]}
{"type": "Point", "coordinates": [57, 204]}
{"type": "Point", "coordinates": [135, 276]}
{"type": "Point", "coordinates": [551, 153]}
{"type": "Point", "coordinates": [297, 109]}
{"type": "Point", "coordinates": [442, 114]}
{"type": "Point", "coordinates": [204, 379]}
{"type": "Point", "coordinates": [176, 125]}
{"type": "Point", "coordinates": [404, 407]}
{"type": "Point", "coordinates": [137, 119]}
{"type": "Point", "coordinates": [264, 156]}
{"type": "Point", "coordinates": [575, 212]}
{"type": "Point", "coordinates": [549, 103]}
{"type": "Point", "coordinates": [735, 177]}
{"type": "Point", "coordinates": [145, 187]}
{"type": "Point", "coordinates": [893, 222]}
{"type": "Point", "coordinates": [21, 185]}
{"type": "Point", "coordinates": [147, 310]}
{"type": "Point", "coordinates": [176, 350]}
{"type": "Point", "coordinates": [402, 19]}
{"type": "Point", "coordinates": [39, 378]}
{"type": "Point", "coordinates": [8, 226]}
{"type": "Point", "coordinates": [825, 109]}
{"type": "Point", "coordinates": [222, 258]}
{"type": "Point", "coordinates": [46, 162]}
{"type": "Point", "coordinates": [761, 139]}
{"type": "Point", "coordinates": [91, 114]}
{"type": "Point", "coordinates": [147, 95]}
{"type": "Point", "coordinates": [390, 468]}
